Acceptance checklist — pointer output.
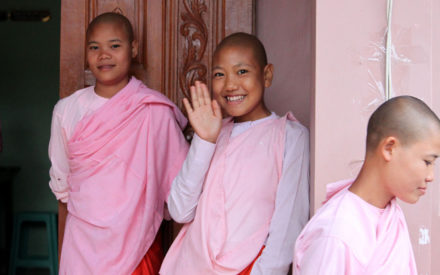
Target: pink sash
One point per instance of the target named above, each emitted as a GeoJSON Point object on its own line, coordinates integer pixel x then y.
{"type": "Point", "coordinates": [123, 158]}
{"type": "Point", "coordinates": [236, 206]}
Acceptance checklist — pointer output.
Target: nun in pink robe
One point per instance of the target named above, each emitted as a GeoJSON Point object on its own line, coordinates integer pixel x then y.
{"type": "Point", "coordinates": [113, 161]}
{"type": "Point", "coordinates": [350, 236]}
{"type": "Point", "coordinates": [238, 199]}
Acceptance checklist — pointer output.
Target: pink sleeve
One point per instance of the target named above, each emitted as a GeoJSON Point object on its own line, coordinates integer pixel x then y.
{"type": "Point", "coordinates": [58, 157]}
{"type": "Point", "coordinates": [324, 256]}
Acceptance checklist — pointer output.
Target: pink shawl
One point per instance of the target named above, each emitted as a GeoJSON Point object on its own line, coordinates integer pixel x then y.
{"type": "Point", "coordinates": [123, 158]}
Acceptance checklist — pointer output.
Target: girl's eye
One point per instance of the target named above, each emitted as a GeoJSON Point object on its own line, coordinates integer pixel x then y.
{"type": "Point", "coordinates": [93, 48]}
{"type": "Point", "coordinates": [427, 162]}
{"type": "Point", "coordinates": [242, 71]}
{"type": "Point", "coordinates": [218, 74]}
{"type": "Point", "coordinates": [114, 46]}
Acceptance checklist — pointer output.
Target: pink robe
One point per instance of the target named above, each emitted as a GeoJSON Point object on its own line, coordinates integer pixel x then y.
{"type": "Point", "coordinates": [122, 158]}
{"type": "Point", "coordinates": [236, 206]}
{"type": "Point", "coordinates": [350, 236]}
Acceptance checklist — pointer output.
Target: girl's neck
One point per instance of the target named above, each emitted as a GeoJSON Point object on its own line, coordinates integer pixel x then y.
{"type": "Point", "coordinates": [108, 91]}
{"type": "Point", "coordinates": [263, 114]}
{"type": "Point", "coordinates": [255, 121]}
{"type": "Point", "coordinates": [369, 187]}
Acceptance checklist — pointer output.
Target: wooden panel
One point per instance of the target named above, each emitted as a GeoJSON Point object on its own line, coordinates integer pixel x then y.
{"type": "Point", "coordinates": [154, 41]}
{"type": "Point", "coordinates": [72, 46]}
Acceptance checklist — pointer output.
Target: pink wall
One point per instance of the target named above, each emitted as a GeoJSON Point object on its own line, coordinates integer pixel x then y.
{"type": "Point", "coordinates": [434, 198]}
{"type": "Point", "coordinates": [285, 28]}
{"type": "Point", "coordinates": [336, 86]}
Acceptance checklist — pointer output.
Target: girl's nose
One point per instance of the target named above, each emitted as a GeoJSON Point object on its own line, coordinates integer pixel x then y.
{"type": "Point", "coordinates": [430, 176]}
{"type": "Point", "coordinates": [231, 84]}
{"type": "Point", "coordinates": [103, 54]}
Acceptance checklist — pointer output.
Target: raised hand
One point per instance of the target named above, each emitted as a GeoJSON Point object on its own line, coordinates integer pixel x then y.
{"type": "Point", "coordinates": [204, 115]}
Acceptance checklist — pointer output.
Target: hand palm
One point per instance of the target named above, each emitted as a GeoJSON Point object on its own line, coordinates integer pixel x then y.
{"type": "Point", "coordinates": [204, 115]}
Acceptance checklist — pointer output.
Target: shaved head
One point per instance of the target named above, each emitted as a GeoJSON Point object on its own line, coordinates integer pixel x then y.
{"type": "Point", "coordinates": [245, 40]}
{"type": "Point", "coordinates": [112, 18]}
{"type": "Point", "coordinates": [407, 118]}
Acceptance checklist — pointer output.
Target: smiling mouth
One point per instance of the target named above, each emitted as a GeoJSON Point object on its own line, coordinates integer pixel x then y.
{"type": "Point", "coordinates": [236, 98]}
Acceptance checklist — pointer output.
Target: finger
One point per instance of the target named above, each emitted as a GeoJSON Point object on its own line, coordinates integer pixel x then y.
{"type": "Point", "coordinates": [200, 93]}
{"type": "Point", "coordinates": [187, 105]}
{"type": "Point", "coordinates": [194, 98]}
{"type": "Point", "coordinates": [206, 95]}
{"type": "Point", "coordinates": [216, 109]}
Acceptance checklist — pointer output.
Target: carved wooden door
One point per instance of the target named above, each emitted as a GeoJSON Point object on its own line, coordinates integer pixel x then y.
{"type": "Point", "coordinates": [176, 39]}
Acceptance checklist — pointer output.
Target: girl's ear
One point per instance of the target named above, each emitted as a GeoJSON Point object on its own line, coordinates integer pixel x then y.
{"type": "Point", "coordinates": [268, 75]}
{"type": "Point", "coordinates": [134, 48]}
{"type": "Point", "coordinates": [388, 147]}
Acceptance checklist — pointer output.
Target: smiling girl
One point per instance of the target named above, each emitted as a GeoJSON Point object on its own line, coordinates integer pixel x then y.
{"type": "Point", "coordinates": [243, 189]}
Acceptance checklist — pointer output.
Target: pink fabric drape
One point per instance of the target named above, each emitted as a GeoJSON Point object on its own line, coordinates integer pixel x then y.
{"type": "Point", "coordinates": [123, 158]}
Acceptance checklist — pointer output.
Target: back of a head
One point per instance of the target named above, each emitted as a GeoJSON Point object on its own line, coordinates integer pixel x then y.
{"type": "Point", "coordinates": [112, 18]}
{"type": "Point", "coordinates": [241, 39]}
{"type": "Point", "coordinates": [407, 118]}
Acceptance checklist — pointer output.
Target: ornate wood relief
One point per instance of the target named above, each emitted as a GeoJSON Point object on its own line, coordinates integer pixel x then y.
{"type": "Point", "coordinates": [194, 29]}
{"type": "Point", "coordinates": [202, 24]}
{"type": "Point", "coordinates": [195, 33]}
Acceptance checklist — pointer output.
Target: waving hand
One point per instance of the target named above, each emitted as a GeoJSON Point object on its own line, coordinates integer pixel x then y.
{"type": "Point", "coordinates": [204, 115]}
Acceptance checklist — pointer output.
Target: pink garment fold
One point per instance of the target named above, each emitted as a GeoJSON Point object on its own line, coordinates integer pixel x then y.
{"type": "Point", "coordinates": [347, 235]}
{"type": "Point", "coordinates": [335, 187]}
{"type": "Point", "coordinates": [236, 206]}
{"type": "Point", "coordinates": [122, 158]}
